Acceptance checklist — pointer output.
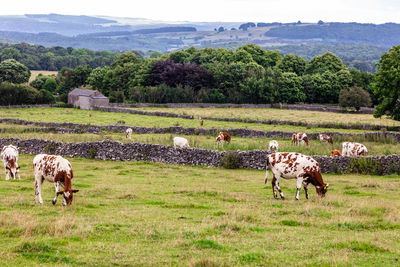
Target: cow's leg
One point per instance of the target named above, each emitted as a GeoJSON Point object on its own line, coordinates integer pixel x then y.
{"type": "Point", "coordinates": [299, 182]}
{"type": "Point", "coordinates": [273, 187]}
{"type": "Point", "coordinates": [57, 187]}
{"type": "Point", "coordinates": [38, 189]}
{"type": "Point", "coordinates": [305, 185]}
{"type": "Point", "coordinates": [278, 187]}
{"type": "Point", "coordinates": [17, 174]}
{"type": "Point", "coordinates": [7, 176]}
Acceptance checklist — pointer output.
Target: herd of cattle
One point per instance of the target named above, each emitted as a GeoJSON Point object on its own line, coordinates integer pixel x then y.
{"type": "Point", "coordinates": [305, 169]}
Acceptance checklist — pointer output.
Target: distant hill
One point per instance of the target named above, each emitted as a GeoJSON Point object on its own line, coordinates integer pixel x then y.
{"type": "Point", "coordinates": [385, 35]}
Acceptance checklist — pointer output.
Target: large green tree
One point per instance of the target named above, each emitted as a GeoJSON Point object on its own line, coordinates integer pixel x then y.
{"type": "Point", "coordinates": [14, 72]}
{"type": "Point", "coordinates": [387, 84]}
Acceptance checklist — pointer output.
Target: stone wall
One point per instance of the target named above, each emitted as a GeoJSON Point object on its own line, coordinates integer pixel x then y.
{"type": "Point", "coordinates": [240, 132]}
{"type": "Point", "coordinates": [269, 122]}
{"type": "Point", "coordinates": [327, 108]}
{"type": "Point", "coordinates": [254, 159]}
{"type": "Point", "coordinates": [31, 106]}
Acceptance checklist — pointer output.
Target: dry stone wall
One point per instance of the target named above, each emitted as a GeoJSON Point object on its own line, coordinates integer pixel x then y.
{"type": "Point", "coordinates": [254, 159]}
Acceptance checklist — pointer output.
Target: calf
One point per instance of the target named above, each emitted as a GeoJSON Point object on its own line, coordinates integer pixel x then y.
{"type": "Point", "coordinates": [273, 146]}
{"type": "Point", "coordinates": [57, 170]}
{"type": "Point", "coordinates": [335, 153]}
{"type": "Point", "coordinates": [295, 166]}
{"type": "Point", "coordinates": [353, 149]}
{"type": "Point", "coordinates": [325, 138]}
{"type": "Point", "coordinates": [128, 133]}
{"type": "Point", "coordinates": [9, 157]}
{"type": "Point", "coordinates": [180, 142]}
{"type": "Point", "coordinates": [223, 137]}
{"type": "Point", "coordinates": [299, 138]}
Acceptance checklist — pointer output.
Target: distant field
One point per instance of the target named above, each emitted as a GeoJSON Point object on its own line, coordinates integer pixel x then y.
{"type": "Point", "coordinates": [106, 118]}
{"type": "Point", "coordinates": [379, 147]}
{"type": "Point", "coordinates": [145, 214]}
{"type": "Point", "coordinates": [35, 73]}
{"type": "Point", "coordinates": [280, 114]}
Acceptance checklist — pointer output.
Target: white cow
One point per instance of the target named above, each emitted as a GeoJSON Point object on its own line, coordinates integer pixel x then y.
{"type": "Point", "coordinates": [128, 133]}
{"type": "Point", "coordinates": [180, 142]}
{"type": "Point", "coordinates": [57, 170]}
{"type": "Point", "coordinates": [351, 149]}
{"type": "Point", "coordinates": [273, 146]}
{"type": "Point", "coordinates": [9, 157]}
{"type": "Point", "coordinates": [295, 166]}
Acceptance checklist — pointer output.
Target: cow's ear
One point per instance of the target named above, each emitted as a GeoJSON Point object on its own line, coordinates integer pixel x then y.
{"type": "Point", "coordinates": [18, 167]}
{"type": "Point", "coordinates": [74, 190]}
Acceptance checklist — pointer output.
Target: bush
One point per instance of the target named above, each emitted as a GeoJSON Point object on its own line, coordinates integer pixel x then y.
{"type": "Point", "coordinates": [354, 97]}
{"type": "Point", "coordinates": [230, 160]}
{"type": "Point", "coordinates": [17, 94]}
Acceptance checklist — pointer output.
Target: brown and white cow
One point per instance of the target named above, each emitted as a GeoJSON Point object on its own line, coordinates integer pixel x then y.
{"type": "Point", "coordinates": [223, 137]}
{"type": "Point", "coordinates": [335, 153]}
{"type": "Point", "coordinates": [9, 157]}
{"type": "Point", "coordinates": [351, 149]}
{"type": "Point", "coordinates": [325, 138]}
{"type": "Point", "coordinates": [57, 170]}
{"type": "Point", "coordinates": [128, 133]}
{"type": "Point", "coordinates": [295, 166]}
{"type": "Point", "coordinates": [299, 138]}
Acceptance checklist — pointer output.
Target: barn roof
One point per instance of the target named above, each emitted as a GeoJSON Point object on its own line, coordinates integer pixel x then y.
{"type": "Point", "coordinates": [84, 92]}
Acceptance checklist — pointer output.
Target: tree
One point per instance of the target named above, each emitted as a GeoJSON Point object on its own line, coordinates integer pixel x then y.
{"type": "Point", "coordinates": [10, 53]}
{"type": "Point", "coordinates": [50, 85]}
{"type": "Point", "coordinates": [326, 62]}
{"type": "Point", "coordinates": [290, 88]}
{"type": "Point", "coordinates": [355, 97]}
{"type": "Point", "coordinates": [13, 71]}
{"type": "Point", "coordinates": [387, 84]}
{"type": "Point", "coordinates": [292, 63]}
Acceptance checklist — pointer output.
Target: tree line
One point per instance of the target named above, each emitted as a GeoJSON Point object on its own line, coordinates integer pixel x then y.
{"type": "Point", "coordinates": [37, 57]}
{"type": "Point", "coordinates": [248, 75]}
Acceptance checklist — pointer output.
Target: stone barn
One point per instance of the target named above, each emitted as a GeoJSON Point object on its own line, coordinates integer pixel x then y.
{"type": "Point", "coordinates": [87, 99]}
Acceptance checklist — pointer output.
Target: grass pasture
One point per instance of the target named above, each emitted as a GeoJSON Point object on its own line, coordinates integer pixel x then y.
{"type": "Point", "coordinates": [382, 146]}
{"type": "Point", "coordinates": [35, 73]}
{"type": "Point", "coordinates": [105, 118]}
{"type": "Point", "coordinates": [280, 114]}
{"type": "Point", "coordinates": [151, 214]}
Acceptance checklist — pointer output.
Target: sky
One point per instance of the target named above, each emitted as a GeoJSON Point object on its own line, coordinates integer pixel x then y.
{"type": "Point", "coordinates": [364, 11]}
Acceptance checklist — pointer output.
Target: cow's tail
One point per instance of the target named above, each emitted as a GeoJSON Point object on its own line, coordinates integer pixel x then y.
{"type": "Point", "coordinates": [266, 173]}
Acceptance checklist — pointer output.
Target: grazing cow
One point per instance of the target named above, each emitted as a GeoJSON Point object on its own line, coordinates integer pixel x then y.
{"type": "Point", "coordinates": [273, 146]}
{"type": "Point", "coordinates": [299, 138]}
{"type": "Point", "coordinates": [57, 170]}
{"type": "Point", "coordinates": [326, 138]}
{"type": "Point", "coordinates": [223, 137]}
{"type": "Point", "coordinates": [128, 133]}
{"type": "Point", "coordinates": [9, 157]}
{"type": "Point", "coordinates": [335, 153]}
{"type": "Point", "coordinates": [180, 142]}
{"type": "Point", "coordinates": [353, 149]}
{"type": "Point", "coordinates": [295, 166]}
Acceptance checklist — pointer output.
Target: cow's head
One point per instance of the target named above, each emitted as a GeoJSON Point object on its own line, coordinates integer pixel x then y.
{"type": "Point", "coordinates": [13, 170]}
{"type": "Point", "coordinates": [68, 196]}
{"type": "Point", "coordinates": [316, 179]}
{"type": "Point", "coordinates": [335, 153]}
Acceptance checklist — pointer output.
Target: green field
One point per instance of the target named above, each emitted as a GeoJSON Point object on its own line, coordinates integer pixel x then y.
{"type": "Point", "coordinates": [105, 118]}
{"type": "Point", "coordinates": [380, 146]}
{"type": "Point", "coordinates": [146, 214]}
{"type": "Point", "coordinates": [280, 114]}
